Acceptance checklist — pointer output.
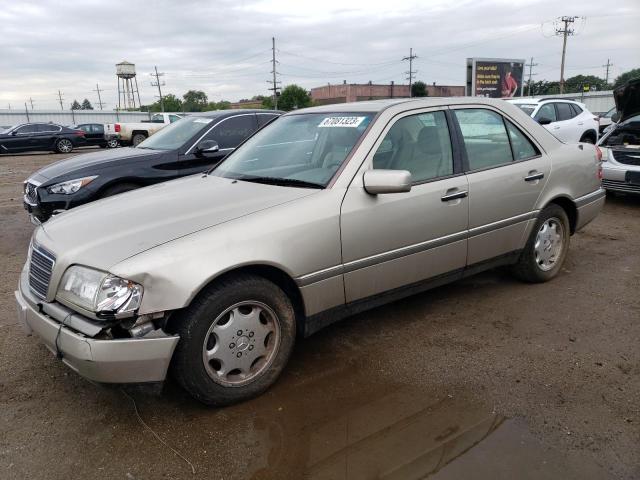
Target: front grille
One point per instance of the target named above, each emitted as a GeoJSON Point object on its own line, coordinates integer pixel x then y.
{"type": "Point", "coordinates": [30, 193]}
{"type": "Point", "coordinates": [620, 186]}
{"type": "Point", "coordinates": [627, 157]}
{"type": "Point", "coordinates": [40, 269]}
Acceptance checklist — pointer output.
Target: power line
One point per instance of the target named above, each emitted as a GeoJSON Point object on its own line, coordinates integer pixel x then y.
{"type": "Point", "coordinates": [98, 89]}
{"type": "Point", "coordinates": [530, 65]}
{"type": "Point", "coordinates": [608, 65]}
{"type": "Point", "coordinates": [565, 32]}
{"type": "Point", "coordinates": [158, 84]}
{"type": "Point", "coordinates": [411, 72]}
{"type": "Point", "coordinates": [60, 99]}
{"type": "Point", "coordinates": [336, 63]}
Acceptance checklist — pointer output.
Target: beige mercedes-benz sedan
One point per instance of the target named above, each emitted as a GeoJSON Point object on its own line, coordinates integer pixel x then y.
{"type": "Point", "coordinates": [325, 212]}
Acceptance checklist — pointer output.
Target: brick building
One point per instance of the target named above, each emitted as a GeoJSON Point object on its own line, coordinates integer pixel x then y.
{"type": "Point", "coordinates": [353, 92]}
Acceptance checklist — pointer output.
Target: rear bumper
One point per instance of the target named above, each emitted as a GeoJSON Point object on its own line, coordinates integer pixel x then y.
{"type": "Point", "coordinates": [589, 206]}
{"type": "Point", "coordinates": [137, 360]}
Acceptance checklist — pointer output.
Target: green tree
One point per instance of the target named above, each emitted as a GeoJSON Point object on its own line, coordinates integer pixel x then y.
{"type": "Point", "coordinates": [626, 76]}
{"type": "Point", "coordinates": [544, 87]}
{"type": "Point", "coordinates": [171, 104]}
{"type": "Point", "coordinates": [76, 106]}
{"type": "Point", "coordinates": [419, 89]}
{"type": "Point", "coordinates": [86, 105]}
{"type": "Point", "coordinates": [575, 84]}
{"type": "Point", "coordinates": [292, 98]}
{"type": "Point", "coordinates": [221, 105]}
{"type": "Point", "coordinates": [195, 101]}
{"type": "Point", "coordinates": [267, 103]}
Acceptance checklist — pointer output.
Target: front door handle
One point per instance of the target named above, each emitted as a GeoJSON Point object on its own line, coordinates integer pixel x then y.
{"type": "Point", "coordinates": [454, 195]}
{"type": "Point", "coordinates": [533, 176]}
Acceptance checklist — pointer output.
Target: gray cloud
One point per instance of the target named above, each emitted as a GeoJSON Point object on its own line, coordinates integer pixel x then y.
{"type": "Point", "coordinates": [223, 47]}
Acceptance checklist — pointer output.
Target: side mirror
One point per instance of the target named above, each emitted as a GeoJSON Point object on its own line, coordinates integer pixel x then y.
{"type": "Point", "coordinates": [544, 121]}
{"type": "Point", "coordinates": [14, 133]}
{"type": "Point", "coordinates": [615, 118]}
{"type": "Point", "coordinates": [207, 146]}
{"type": "Point", "coordinates": [387, 181]}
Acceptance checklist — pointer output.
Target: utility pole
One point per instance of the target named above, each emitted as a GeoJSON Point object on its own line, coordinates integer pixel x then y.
{"type": "Point", "coordinates": [26, 110]}
{"type": "Point", "coordinates": [274, 82]}
{"type": "Point", "coordinates": [607, 66]}
{"type": "Point", "coordinates": [158, 83]}
{"type": "Point", "coordinates": [530, 65]}
{"type": "Point", "coordinates": [411, 72]}
{"type": "Point", "coordinates": [60, 99]}
{"type": "Point", "coordinates": [31, 101]}
{"type": "Point", "coordinates": [565, 32]}
{"type": "Point", "coordinates": [98, 89]}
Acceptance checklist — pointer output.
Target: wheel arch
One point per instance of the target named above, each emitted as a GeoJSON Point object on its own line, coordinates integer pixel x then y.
{"type": "Point", "coordinates": [269, 272]}
{"type": "Point", "coordinates": [591, 133]}
{"type": "Point", "coordinates": [569, 206]}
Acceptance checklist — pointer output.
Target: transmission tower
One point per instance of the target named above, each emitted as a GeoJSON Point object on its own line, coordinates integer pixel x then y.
{"type": "Point", "coordinates": [60, 99]}
{"type": "Point", "coordinates": [274, 82]}
{"type": "Point", "coordinates": [530, 65]}
{"type": "Point", "coordinates": [98, 89]}
{"type": "Point", "coordinates": [607, 66]}
{"type": "Point", "coordinates": [411, 72]}
{"type": "Point", "coordinates": [158, 84]}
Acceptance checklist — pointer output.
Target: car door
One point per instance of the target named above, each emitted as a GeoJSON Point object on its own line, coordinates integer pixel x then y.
{"type": "Point", "coordinates": [506, 172]}
{"type": "Point", "coordinates": [228, 132]}
{"type": "Point", "coordinates": [569, 129]}
{"type": "Point", "coordinates": [396, 240]}
{"type": "Point", "coordinates": [21, 138]}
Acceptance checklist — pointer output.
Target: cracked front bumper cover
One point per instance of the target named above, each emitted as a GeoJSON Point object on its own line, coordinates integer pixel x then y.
{"type": "Point", "coordinates": [131, 360]}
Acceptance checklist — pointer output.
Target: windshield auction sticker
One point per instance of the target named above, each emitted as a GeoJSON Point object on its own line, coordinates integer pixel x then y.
{"type": "Point", "coordinates": [202, 120]}
{"type": "Point", "coordinates": [341, 122]}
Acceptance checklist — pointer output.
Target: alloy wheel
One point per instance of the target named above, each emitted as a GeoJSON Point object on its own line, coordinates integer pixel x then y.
{"type": "Point", "coordinates": [64, 145]}
{"type": "Point", "coordinates": [549, 244]}
{"type": "Point", "coordinates": [241, 343]}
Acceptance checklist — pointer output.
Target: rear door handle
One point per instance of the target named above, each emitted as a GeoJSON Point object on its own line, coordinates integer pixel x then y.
{"type": "Point", "coordinates": [454, 195]}
{"type": "Point", "coordinates": [532, 177]}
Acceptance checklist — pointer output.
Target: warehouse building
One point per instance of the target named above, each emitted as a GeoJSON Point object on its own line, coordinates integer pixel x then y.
{"type": "Point", "coordinates": [354, 92]}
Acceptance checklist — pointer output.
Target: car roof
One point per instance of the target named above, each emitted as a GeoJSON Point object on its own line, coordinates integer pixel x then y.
{"type": "Point", "coordinates": [233, 111]}
{"type": "Point", "coordinates": [542, 100]}
{"type": "Point", "coordinates": [374, 106]}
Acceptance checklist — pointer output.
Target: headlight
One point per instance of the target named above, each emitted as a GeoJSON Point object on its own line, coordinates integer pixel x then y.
{"type": "Point", "coordinates": [98, 291]}
{"type": "Point", "coordinates": [71, 186]}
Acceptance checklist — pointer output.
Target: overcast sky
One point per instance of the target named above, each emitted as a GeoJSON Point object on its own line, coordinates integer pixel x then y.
{"type": "Point", "coordinates": [224, 46]}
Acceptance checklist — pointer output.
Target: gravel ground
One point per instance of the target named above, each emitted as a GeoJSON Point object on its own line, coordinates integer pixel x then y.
{"type": "Point", "coordinates": [484, 378]}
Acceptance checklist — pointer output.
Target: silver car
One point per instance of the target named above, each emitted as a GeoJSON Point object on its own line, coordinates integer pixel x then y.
{"type": "Point", "coordinates": [325, 212]}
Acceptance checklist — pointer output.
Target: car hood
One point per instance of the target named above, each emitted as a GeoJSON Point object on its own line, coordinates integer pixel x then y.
{"type": "Point", "coordinates": [93, 159]}
{"type": "Point", "coordinates": [627, 98]}
{"type": "Point", "coordinates": [105, 232]}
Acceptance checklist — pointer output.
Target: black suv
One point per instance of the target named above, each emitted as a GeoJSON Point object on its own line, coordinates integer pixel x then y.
{"type": "Point", "coordinates": [190, 145]}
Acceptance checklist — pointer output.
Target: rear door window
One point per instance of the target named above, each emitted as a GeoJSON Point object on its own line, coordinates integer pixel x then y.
{"type": "Point", "coordinates": [547, 111]}
{"type": "Point", "coordinates": [577, 110]}
{"type": "Point", "coordinates": [485, 138]}
{"type": "Point", "coordinates": [564, 111]}
{"type": "Point", "coordinates": [520, 145]}
{"type": "Point", "coordinates": [232, 131]}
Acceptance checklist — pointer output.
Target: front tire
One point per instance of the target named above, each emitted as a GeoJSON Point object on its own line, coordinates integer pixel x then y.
{"type": "Point", "coordinates": [547, 247]}
{"type": "Point", "coordinates": [64, 145]}
{"type": "Point", "coordinates": [235, 340]}
{"type": "Point", "coordinates": [113, 143]}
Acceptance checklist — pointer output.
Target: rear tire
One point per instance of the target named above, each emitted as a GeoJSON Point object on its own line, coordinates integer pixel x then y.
{"type": "Point", "coordinates": [64, 145]}
{"type": "Point", "coordinates": [235, 340]}
{"type": "Point", "coordinates": [113, 143]}
{"type": "Point", "coordinates": [138, 138]}
{"type": "Point", "coordinates": [546, 248]}
{"type": "Point", "coordinates": [118, 188]}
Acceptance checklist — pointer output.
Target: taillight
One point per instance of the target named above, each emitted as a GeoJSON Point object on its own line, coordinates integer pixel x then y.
{"type": "Point", "coordinates": [598, 154]}
{"type": "Point", "coordinates": [79, 133]}
{"type": "Point", "coordinates": [116, 127]}
{"type": "Point", "coordinates": [597, 119]}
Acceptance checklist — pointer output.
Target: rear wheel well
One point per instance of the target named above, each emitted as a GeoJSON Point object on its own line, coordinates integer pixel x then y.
{"type": "Point", "coordinates": [143, 132]}
{"type": "Point", "coordinates": [274, 275]}
{"type": "Point", "coordinates": [570, 208]}
{"type": "Point", "coordinates": [591, 134]}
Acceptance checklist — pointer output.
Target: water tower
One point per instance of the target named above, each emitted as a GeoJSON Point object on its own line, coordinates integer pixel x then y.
{"type": "Point", "coordinates": [127, 85]}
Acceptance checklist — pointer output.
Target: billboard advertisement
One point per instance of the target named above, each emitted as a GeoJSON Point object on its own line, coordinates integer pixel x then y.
{"type": "Point", "coordinates": [494, 77]}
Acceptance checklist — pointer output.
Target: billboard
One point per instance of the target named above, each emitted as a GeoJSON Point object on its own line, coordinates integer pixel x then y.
{"type": "Point", "coordinates": [494, 77]}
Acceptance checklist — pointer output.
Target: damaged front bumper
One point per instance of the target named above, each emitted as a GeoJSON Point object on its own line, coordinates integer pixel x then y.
{"type": "Point", "coordinates": [129, 360]}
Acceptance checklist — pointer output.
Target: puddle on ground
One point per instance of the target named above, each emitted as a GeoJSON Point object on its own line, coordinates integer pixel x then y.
{"type": "Point", "coordinates": [338, 425]}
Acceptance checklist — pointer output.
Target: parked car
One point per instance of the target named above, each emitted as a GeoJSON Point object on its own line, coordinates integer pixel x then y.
{"type": "Point", "coordinates": [569, 121]}
{"type": "Point", "coordinates": [621, 144]}
{"type": "Point", "coordinates": [30, 137]}
{"type": "Point", "coordinates": [325, 212]}
{"type": "Point", "coordinates": [188, 146]}
{"type": "Point", "coordinates": [133, 133]}
{"type": "Point", "coordinates": [94, 134]}
{"type": "Point", "coordinates": [605, 120]}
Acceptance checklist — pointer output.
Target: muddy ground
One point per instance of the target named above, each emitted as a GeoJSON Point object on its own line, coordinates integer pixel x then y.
{"type": "Point", "coordinates": [485, 378]}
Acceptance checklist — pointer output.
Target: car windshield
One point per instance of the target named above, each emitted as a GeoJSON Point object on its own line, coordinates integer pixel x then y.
{"type": "Point", "coordinates": [176, 134]}
{"type": "Point", "coordinates": [526, 108]}
{"type": "Point", "coordinates": [302, 150]}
